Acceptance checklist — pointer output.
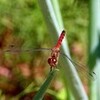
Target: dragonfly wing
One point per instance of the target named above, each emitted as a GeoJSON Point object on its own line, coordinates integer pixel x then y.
{"type": "Point", "coordinates": [14, 50]}
{"type": "Point", "coordinates": [81, 67]}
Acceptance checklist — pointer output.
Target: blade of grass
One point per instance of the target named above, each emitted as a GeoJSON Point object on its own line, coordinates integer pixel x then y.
{"type": "Point", "coordinates": [93, 48]}
{"type": "Point", "coordinates": [28, 89]}
{"type": "Point", "coordinates": [40, 94]}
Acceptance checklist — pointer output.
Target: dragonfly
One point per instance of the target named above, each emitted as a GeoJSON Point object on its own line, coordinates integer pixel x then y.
{"type": "Point", "coordinates": [54, 56]}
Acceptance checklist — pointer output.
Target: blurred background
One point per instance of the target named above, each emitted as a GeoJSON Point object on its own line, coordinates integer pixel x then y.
{"type": "Point", "coordinates": [23, 26]}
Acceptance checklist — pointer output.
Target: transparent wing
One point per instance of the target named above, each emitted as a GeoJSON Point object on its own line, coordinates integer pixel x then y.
{"type": "Point", "coordinates": [81, 67]}
{"type": "Point", "coordinates": [14, 49]}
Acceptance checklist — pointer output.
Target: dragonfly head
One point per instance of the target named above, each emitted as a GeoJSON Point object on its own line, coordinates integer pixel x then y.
{"type": "Point", "coordinates": [52, 61]}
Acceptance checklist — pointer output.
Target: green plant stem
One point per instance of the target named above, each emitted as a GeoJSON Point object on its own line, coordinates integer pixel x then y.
{"type": "Point", "coordinates": [41, 92]}
{"type": "Point", "coordinates": [94, 43]}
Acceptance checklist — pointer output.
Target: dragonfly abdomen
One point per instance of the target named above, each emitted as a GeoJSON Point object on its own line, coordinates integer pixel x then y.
{"type": "Point", "coordinates": [60, 39]}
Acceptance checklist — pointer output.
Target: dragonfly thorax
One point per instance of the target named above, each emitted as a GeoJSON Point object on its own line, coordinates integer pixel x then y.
{"type": "Point", "coordinates": [55, 52]}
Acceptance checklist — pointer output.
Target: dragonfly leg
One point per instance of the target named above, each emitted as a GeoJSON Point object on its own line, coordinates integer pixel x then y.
{"type": "Point", "coordinates": [50, 68]}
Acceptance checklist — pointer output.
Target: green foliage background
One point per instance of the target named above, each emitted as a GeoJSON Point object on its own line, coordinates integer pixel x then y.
{"type": "Point", "coordinates": [22, 24]}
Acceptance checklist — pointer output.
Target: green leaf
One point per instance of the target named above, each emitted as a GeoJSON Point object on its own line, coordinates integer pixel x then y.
{"type": "Point", "coordinates": [40, 94]}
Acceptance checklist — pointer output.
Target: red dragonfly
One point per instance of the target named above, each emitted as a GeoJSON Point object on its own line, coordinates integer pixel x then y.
{"type": "Point", "coordinates": [53, 60]}
{"type": "Point", "coordinates": [54, 57]}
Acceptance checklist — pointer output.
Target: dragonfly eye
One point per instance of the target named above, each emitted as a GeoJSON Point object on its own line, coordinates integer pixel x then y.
{"type": "Point", "coordinates": [54, 60]}
{"type": "Point", "coordinates": [49, 60]}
